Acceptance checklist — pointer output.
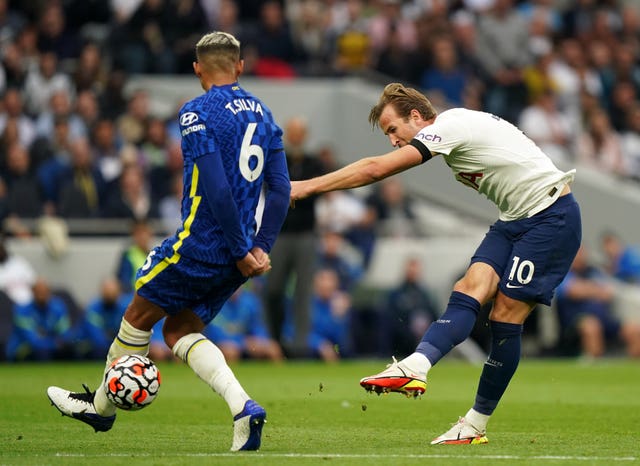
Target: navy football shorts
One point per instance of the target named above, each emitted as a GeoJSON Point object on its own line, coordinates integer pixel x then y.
{"type": "Point", "coordinates": [175, 283]}
{"type": "Point", "coordinates": [533, 255]}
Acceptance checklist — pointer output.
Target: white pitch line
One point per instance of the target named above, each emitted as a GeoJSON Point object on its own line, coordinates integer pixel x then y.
{"type": "Point", "coordinates": [357, 455]}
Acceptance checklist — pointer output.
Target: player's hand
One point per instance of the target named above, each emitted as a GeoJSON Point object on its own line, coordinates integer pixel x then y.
{"type": "Point", "coordinates": [297, 192]}
{"type": "Point", "coordinates": [249, 266]}
{"type": "Point", "coordinates": [262, 258]}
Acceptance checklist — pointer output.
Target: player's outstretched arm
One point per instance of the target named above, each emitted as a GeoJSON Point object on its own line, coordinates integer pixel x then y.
{"type": "Point", "coordinates": [360, 173]}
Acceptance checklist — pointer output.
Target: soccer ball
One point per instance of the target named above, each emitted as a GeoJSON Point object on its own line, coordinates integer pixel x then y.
{"type": "Point", "coordinates": [132, 382]}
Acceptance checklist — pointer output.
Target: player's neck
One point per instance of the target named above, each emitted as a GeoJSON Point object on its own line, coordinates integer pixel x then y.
{"type": "Point", "coordinates": [218, 80]}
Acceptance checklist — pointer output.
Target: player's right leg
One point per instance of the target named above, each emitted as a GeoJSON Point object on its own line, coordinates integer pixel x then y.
{"type": "Point", "coordinates": [208, 362]}
{"type": "Point", "coordinates": [396, 378]}
{"type": "Point", "coordinates": [93, 407]}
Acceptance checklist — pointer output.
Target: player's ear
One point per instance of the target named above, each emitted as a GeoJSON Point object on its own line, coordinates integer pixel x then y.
{"type": "Point", "coordinates": [196, 69]}
{"type": "Point", "coordinates": [239, 67]}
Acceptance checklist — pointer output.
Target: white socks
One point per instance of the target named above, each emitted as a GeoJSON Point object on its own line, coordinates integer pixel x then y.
{"type": "Point", "coordinates": [130, 340]}
{"type": "Point", "coordinates": [417, 363]}
{"type": "Point", "coordinates": [208, 362]}
{"type": "Point", "coordinates": [477, 420]}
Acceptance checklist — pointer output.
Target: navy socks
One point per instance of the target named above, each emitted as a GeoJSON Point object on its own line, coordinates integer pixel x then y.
{"type": "Point", "coordinates": [499, 367]}
{"type": "Point", "coordinates": [452, 328]}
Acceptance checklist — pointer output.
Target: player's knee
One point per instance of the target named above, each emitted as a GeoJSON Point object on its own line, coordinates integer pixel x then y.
{"type": "Point", "coordinates": [480, 282]}
{"type": "Point", "coordinates": [509, 310]}
{"type": "Point", "coordinates": [142, 314]}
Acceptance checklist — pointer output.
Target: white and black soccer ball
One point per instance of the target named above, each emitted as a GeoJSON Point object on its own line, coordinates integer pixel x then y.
{"type": "Point", "coordinates": [132, 382]}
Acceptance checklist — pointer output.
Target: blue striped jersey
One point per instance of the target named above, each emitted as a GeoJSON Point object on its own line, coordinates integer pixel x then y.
{"type": "Point", "coordinates": [236, 126]}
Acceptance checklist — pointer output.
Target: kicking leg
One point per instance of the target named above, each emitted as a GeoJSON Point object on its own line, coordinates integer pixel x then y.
{"type": "Point", "coordinates": [94, 408]}
{"type": "Point", "coordinates": [453, 327]}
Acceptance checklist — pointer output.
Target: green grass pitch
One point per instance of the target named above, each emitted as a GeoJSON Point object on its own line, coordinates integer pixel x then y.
{"type": "Point", "coordinates": [555, 412]}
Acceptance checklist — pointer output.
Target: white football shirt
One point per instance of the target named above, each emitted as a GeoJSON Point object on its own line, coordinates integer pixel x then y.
{"type": "Point", "coordinates": [496, 159]}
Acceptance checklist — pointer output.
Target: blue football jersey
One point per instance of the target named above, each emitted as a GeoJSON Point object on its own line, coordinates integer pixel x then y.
{"type": "Point", "coordinates": [236, 126]}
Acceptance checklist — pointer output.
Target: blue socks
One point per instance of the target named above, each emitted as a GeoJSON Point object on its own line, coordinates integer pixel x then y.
{"type": "Point", "coordinates": [452, 328]}
{"type": "Point", "coordinates": [499, 367]}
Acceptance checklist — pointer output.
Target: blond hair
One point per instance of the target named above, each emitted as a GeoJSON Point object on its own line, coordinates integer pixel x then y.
{"type": "Point", "coordinates": [219, 51]}
{"type": "Point", "coordinates": [404, 99]}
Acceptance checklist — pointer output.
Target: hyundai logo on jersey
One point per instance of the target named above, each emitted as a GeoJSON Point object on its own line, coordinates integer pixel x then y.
{"type": "Point", "coordinates": [188, 119]}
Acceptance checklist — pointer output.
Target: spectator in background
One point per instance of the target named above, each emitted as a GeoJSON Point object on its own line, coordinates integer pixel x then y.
{"type": "Point", "coordinates": [387, 19]}
{"type": "Point", "coordinates": [101, 320]}
{"type": "Point", "coordinates": [53, 33]}
{"type": "Point", "coordinates": [87, 109]}
{"type": "Point", "coordinates": [626, 65]}
{"type": "Point", "coordinates": [90, 72]}
{"type": "Point", "coordinates": [132, 123]}
{"type": "Point", "coordinates": [571, 72]}
{"type": "Point", "coordinates": [339, 211]}
{"type": "Point", "coordinates": [308, 19]}
{"type": "Point", "coordinates": [444, 77]}
{"type": "Point", "coordinates": [142, 42]}
{"type": "Point", "coordinates": [188, 23]}
{"type": "Point", "coordinates": [27, 43]}
{"type": "Point", "coordinates": [548, 127]}
{"type": "Point", "coordinates": [277, 54]}
{"type": "Point", "coordinates": [105, 148]}
{"type": "Point", "coordinates": [11, 23]}
{"type": "Point", "coordinates": [599, 146]}
{"type": "Point", "coordinates": [408, 311]}
{"type": "Point", "coordinates": [60, 106]}
{"type": "Point", "coordinates": [394, 41]}
{"type": "Point", "coordinates": [623, 97]}
{"type": "Point", "coordinates": [290, 256]}
{"type": "Point", "coordinates": [464, 33]}
{"type": "Point", "coordinates": [8, 138]}
{"type": "Point", "coordinates": [112, 101]}
{"type": "Point", "coordinates": [42, 328]}
{"type": "Point", "coordinates": [631, 142]}
{"type": "Point", "coordinates": [350, 45]}
{"type": "Point", "coordinates": [54, 158]}
{"type": "Point", "coordinates": [601, 58]}
{"type": "Point", "coordinates": [239, 330]}
{"type": "Point", "coordinates": [393, 210]}
{"type": "Point", "coordinates": [335, 254]}
{"type": "Point", "coordinates": [81, 185]}
{"type": "Point", "coordinates": [330, 337]}
{"type": "Point", "coordinates": [622, 260]}
{"type": "Point", "coordinates": [3, 200]}
{"type": "Point", "coordinates": [24, 197]}
{"type": "Point", "coordinates": [42, 82]}
{"type": "Point", "coordinates": [170, 205]}
{"type": "Point", "coordinates": [584, 303]}
{"type": "Point", "coordinates": [154, 152]}
{"type": "Point", "coordinates": [132, 198]}
{"type": "Point", "coordinates": [17, 275]}
{"type": "Point", "coordinates": [14, 68]}
{"type": "Point", "coordinates": [133, 256]}
{"type": "Point", "coordinates": [503, 52]}
{"type": "Point", "coordinates": [12, 106]}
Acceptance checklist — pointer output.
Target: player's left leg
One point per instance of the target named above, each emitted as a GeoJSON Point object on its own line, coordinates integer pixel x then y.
{"type": "Point", "coordinates": [408, 376]}
{"type": "Point", "coordinates": [93, 407]}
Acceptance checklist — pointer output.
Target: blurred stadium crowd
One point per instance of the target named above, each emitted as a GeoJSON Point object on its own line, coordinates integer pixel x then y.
{"type": "Point", "coordinates": [75, 145]}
